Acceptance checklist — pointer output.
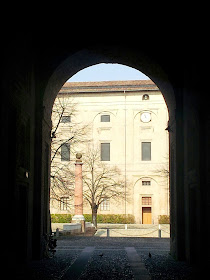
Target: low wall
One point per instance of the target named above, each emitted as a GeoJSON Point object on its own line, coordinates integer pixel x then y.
{"type": "Point", "coordinates": [72, 228]}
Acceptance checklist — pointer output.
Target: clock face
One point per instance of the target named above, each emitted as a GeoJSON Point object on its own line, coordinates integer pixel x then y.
{"type": "Point", "coordinates": [146, 117]}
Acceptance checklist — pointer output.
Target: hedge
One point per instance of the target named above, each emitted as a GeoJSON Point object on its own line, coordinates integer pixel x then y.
{"type": "Point", "coordinates": [164, 219]}
{"type": "Point", "coordinates": [104, 219]}
{"type": "Point", "coordinates": [115, 219]}
{"type": "Point", "coordinates": [61, 218]}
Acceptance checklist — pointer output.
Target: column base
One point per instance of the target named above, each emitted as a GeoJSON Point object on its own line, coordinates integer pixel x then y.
{"type": "Point", "coordinates": [80, 219]}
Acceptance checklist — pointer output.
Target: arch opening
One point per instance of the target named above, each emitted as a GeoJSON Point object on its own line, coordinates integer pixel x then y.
{"type": "Point", "coordinates": [90, 57]}
{"type": "Point", "coordinates": [138, 113]}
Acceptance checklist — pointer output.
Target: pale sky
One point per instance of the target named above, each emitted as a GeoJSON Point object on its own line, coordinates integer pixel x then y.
{"type": "Point", "coordinates": [107, 72]}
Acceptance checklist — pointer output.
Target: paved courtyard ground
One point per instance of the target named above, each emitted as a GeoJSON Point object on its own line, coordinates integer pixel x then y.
{"type": "Point", "coordinates": [108, 258]}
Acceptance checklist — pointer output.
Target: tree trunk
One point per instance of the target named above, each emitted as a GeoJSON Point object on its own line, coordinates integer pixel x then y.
{"type": "Point", "coordinates": [94, 214]}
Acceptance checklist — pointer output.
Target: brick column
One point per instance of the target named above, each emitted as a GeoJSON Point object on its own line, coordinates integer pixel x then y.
{"type": "Point", "coordinates": [78, 193]}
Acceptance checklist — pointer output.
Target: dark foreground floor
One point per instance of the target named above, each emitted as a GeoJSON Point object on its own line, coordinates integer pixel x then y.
{"type": "Point", "coordinates": [108, 258]}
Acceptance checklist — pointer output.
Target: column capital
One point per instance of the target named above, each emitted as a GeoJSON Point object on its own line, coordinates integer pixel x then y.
{"type": "Point", "coordinates": [78, 162]}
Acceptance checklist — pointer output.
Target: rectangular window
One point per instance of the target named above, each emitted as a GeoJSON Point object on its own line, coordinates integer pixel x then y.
{"type": "Point", "coordinates": [146, 183]}
{"type": "Point", "coordinates": [105, 205]}
{"type": "Point", "coordinates": [65, 152]}
{"type": "Point", "coordinates": [146, 151]}
{"type": "Point", "coordinates": [66, 119]}
{"type": "Point", "coordinates": [64, 203]}
{"type": "Point", "coordinates": [146, 200]}
{"type": "Point", "coordinates": [105, 118]}
{"type": "Point", "coordinates": [105, 151]}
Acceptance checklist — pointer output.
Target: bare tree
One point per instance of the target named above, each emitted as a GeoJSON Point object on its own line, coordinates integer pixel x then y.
{"type": "Point", "coordinates": [72, 130]}
{"type": "Point", "coordinates": [66, 130]}
{"type": "Point", "coordinates": [163, 169]}
{"type": "Point", "coordinates": [101, 181]}
{"type": "Point", "coordinates": [163, 173]}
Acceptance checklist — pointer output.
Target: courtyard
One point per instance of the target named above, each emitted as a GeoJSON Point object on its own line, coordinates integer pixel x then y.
{"type": "Point", "coordinates": [95, 257]}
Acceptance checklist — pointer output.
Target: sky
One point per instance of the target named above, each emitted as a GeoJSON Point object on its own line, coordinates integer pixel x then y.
{"type": "Point", "coordinates": [107, 72]}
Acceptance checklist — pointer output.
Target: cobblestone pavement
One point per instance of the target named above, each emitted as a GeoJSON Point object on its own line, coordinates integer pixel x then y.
{"type": "Point", "coordinates": [108, 258]}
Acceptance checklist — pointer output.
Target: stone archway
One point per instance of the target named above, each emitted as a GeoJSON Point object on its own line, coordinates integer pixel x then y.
{"type": "Point", "coordinates": [37, 64]}
{"type": "Point", "coordinates": [88, 57]}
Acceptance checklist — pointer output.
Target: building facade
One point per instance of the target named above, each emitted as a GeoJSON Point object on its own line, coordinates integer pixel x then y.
{"type": "Point", "coordinates": [126, 121]}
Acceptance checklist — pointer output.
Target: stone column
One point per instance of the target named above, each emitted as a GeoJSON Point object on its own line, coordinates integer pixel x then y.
{"type": "Point", "coordinates": [78, 193]}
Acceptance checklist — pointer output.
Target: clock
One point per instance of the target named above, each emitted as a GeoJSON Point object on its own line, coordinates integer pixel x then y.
{"type": "Point", "coordinates": [146, 117]}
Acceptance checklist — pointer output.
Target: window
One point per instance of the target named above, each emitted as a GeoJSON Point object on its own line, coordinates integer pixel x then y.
{"type": "Point", "coordinates": [66, 119]}
{"type": "Point", "coordinates": [145, 97]}
{"type": "Point", "coordinates": [146, 183]}
{"type": "Point", "coordinates": [105, 151]}
{"type": "Point", "coordinates": [64, 203]}
{"type": "Point", "coordinates": [146, 200]}
{"type": "Point", "coordinates": [65, 152]}
{"type": "Point", "coordinates": [105, 205]}
{"type": "Point", "coordinates": [146, 151]}
{"type": "Point", "coordinates": [105, 118]}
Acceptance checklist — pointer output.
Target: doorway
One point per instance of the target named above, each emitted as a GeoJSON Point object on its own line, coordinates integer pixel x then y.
{"type": "Point", "coordinates": [146, 215]}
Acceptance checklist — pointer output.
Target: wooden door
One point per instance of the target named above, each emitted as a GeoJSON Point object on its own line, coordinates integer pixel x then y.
{"type": "Point", "coordinates": [146, 215]}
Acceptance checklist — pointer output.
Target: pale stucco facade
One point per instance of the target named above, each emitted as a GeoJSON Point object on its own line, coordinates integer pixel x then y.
{"type": "Point", "coordinates": [131, 117]}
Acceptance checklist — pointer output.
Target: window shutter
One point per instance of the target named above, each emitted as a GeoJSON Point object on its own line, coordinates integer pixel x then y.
{"type": "Point", "coordinates": [146, 151]}
{"type": "Point", "coordinates": [65, 152]}
{"type": "Point", "coordinates": [105, 118]}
